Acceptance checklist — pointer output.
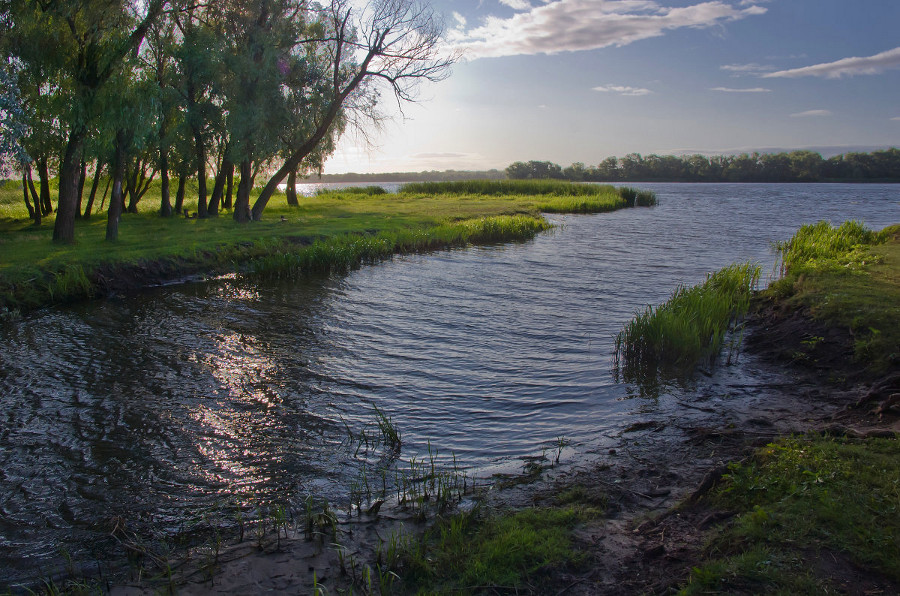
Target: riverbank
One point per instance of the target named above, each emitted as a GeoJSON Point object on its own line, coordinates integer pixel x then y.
{"type": "Point", "coordinates": [331, 231]}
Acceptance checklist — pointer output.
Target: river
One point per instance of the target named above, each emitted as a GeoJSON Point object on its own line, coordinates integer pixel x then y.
{"type": "Point", "coordinates": [156, 408]}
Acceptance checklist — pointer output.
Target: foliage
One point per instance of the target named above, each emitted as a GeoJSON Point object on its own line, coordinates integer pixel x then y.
{"type": "Point", "coordinates": [796, 166]}
{"type": "Point", "coordinates": [690, 328]}
{"type": "Point", "coordinates": [12, 123]}
{"type": "Point", "coordinates": [800, 499]}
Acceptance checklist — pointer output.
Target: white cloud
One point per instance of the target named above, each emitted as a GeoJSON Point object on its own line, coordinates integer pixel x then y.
{"type": "Point", "coordinates": [575, 25]}
{"type": "Point", "coordinates": [517, 4]}
{"type": "Point", "coordinates": [896, 119]}
{"type": "Point", "coordinates": [751, 68]}
{"type": "Point", "coordinates": [811, 114]}
{"type": "Point", "coordinates": [845, 67]}
{"type": "Point", "coordinates": [460, 20]}
{"type": "Point", "coordinates": [730, 90]}
{"type": "Point", "coordinates": [623, 90]}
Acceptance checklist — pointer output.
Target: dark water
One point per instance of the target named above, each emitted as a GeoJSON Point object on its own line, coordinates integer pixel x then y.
{"type": "Point", "coordinates": [158, 407]}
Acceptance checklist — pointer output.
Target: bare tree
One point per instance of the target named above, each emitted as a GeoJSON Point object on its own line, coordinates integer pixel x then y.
{"type": "Point", "coordinates": [393, 43]}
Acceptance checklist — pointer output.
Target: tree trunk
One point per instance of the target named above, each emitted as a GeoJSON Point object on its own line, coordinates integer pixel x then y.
{"type": "Point", "coordinates": [201, 175]}
{"type": "Point", "coordinates": [117, 199]}
{"type": "Point", "coordinates": [229, 186]}
{"type": "Point", "coordinates": [34, 196]}
{"type": "Point", "coordinates": [165, 205]}
{"type": "Point", "coordinates": [25, 195]}
{"type": "Point", "coordinates": [81, 185]}
{"type": "Point", "coordinates": [105, 191]}
{"type": "Point", "coordinates": [291, 190]}
{"type": "Point", "coordinates": [242, 212]}
{"type": "Point", "coordinates": [293, 162]}
{"type": "Point", "coordinates": [94, 185]}
{"type": "Point", "coordinates": [64, 228]}
{"type": "Point", "coordinates": [218, 189]}
{"type": "Point", "coordinates": [44, 177]}
{"type": "Point", "coordinates": [179, 194]}
{"type": "Point", "coordinates": [129, 191]}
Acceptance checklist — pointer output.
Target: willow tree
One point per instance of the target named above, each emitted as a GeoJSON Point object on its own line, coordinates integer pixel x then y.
{"type": "Point", "coordinates": [82, 44]}
{"type": "Point", "coordinates": [393, 43]}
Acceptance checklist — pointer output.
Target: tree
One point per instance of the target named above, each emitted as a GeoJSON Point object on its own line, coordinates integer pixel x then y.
{"type": "Point", "coordinates": [81, 44]}
{"type": "Point", "coordinates": [392, 43]}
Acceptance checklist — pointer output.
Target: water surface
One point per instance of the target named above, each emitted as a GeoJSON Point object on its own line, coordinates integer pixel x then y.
{"type": "Point", "coordinates": [158, 407]}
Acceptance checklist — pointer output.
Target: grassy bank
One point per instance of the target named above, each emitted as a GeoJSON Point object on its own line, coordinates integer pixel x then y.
{"type": "Point", "coordinates": [331, 231]}
{"type": "Point", "coordinates": [847, 278]}
{"type": "Point", "coordinates": [811, 512]}
{"type": "Point", "coordinates": [818, 514]}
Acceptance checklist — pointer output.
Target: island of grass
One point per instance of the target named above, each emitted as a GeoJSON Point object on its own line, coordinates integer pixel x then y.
{"type": "Point", "coordinates": [333, 231]}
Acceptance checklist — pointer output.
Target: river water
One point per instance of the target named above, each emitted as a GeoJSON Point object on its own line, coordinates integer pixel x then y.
{"type": "Point", "coordinates": [155, 408]}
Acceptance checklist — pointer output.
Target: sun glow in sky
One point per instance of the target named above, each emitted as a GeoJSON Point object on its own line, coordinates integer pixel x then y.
{"type": "Point", "coordinates": [581, 80]}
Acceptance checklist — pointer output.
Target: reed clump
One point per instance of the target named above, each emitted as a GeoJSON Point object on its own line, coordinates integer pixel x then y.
{"type": "Point", "coordinates": [634, 197]}
{"type": "Point", "coordinates": [690, 328]}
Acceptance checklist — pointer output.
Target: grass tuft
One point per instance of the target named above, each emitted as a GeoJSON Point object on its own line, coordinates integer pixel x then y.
{"type": "Point", "coordinates": [690, 328]}
{"type": "Point", "coordinates": [468, 553]}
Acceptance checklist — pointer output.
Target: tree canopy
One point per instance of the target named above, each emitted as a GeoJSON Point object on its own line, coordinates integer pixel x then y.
{"type": "Point", "coordinates": [141, 87]}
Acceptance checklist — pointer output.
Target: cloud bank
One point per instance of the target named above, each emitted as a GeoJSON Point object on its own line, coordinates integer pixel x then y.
{"type": "Point", "coordinates": [575, 25]}
{"type": "Point", "coordinates": [731, 90]}
{"type": "Point", "coordinates": [846, 67]}
{"type": "Point", "coordinates": [811, 114]}
{"type": "Point", "coordinates": [623, 90]}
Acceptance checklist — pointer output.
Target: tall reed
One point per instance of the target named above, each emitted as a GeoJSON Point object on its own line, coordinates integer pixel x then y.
{"type": "Point", "coordinates": [674, 337]}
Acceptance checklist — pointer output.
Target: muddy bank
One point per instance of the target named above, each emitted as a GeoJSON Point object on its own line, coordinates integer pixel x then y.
{"type": "Point", "coordinates": [649, 545]}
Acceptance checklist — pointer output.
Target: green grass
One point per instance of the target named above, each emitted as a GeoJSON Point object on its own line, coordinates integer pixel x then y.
{"type": "Point", "coordinates": [329, 232]}
{"type": "Point", "coordinates": [799, 501]}
{"type": "Point", "coordinates": [847, 277]}
{"type": "Point", "coordinates": [470, 554]}
{"type": "Point", "coordinates": [671, 339]}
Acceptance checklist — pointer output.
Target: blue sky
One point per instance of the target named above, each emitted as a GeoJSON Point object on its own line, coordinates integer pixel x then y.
{"type": "Point", "coordinates": [581, 80]}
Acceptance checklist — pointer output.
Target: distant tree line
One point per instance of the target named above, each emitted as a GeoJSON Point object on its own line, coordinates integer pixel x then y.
{"type": "Point", "coordinates": [427, 176]}
{"type": "Point", "coordinates": [225, 91]}
{"type": "Point", "coordinates": [796, 166]}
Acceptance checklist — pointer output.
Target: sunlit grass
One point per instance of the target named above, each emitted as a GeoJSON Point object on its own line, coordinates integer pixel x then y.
{"type": "Point", "coordinates": [690, 328]}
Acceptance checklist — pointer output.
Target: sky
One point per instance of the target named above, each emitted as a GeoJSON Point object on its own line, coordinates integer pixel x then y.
{"type": "Point", "coordinates": [582, 80]}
